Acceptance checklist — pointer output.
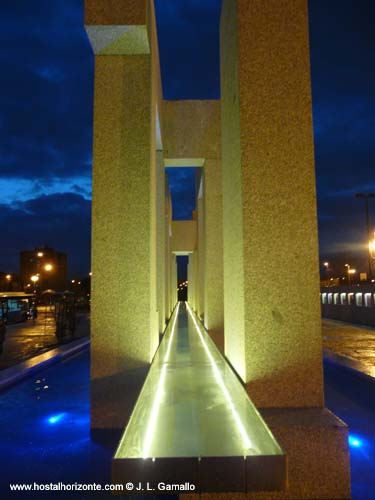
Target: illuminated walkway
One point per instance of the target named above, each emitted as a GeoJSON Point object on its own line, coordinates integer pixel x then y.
{"type": "Point", "coordinates": [193, 408]}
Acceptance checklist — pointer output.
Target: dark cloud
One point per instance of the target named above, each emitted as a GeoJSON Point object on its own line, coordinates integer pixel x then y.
{"type": "Point", "coordinates": [63, 221]}
{"type": "Point", "coordinates": [342, 41]}
{"type": "Point", "coordinates": [46, 90]}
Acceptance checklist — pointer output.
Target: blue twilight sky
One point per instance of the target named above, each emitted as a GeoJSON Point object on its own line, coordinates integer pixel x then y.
{"type": "Point", "coordinates": [46, 116]}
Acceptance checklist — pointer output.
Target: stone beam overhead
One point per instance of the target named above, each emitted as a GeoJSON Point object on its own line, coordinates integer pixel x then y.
{"type": "Point", "coordinates": [115, 12]}
{"type": "Point", "coordinates": [197, 120]}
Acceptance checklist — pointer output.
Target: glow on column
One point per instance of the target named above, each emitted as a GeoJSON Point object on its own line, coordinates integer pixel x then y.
{"type": "Point", "coordinates": [159, 392]}
{"type": "Point", "coordinates": [222, 385]}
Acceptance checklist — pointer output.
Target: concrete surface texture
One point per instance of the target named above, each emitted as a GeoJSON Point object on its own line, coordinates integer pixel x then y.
{"type": "Point", "coordinates": [253, 271]}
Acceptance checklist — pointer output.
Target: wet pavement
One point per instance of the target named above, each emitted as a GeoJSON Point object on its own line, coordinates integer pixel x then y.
{"type": "Point", "coordinates": [34, 337]}
{"type": "Point", "coordinates": [352, 341]}
{"type": "Point", "coordinates": [25, 340]}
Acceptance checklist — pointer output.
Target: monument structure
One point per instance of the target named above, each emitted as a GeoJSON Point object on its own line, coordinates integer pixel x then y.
{"type": "Point", "coordinates": [252, 245]}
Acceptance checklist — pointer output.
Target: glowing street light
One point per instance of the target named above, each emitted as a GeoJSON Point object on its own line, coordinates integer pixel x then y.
{"type": "Point", "coordinates": [326, 267]}
{"type": "Point", "coordinates": [350, 272]}
{"type": "Point", "coordinates": [48, 267]}
{"type": "Point", "coordinates": [34, 278]}
{"type": "Point", "coordinates": [371, 247]}
{"type": "Point", "coordinates": [40, 254]}
{"type": "Point", "coordinates": [8, 277]}
{"type": "Point", "coordinates": [366, 197]}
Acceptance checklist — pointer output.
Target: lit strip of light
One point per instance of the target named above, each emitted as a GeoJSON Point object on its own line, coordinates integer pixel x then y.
{"type": "Point", "coordinates": [166, 357]}
{"type": "Point", "coordinates": [159, 393]}
{"type": "Point", "coordinates": [221, 383]}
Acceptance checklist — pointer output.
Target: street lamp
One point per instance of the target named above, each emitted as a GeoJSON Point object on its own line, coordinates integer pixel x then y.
{"type": "Point", "coordinates": [48, 267]}
{"type": "Point", "coordinates": [351, 272]}
{"type": "Point", "coordinates": [366, 197]}
{"type": "Point", "coordinates": [371, 247]}
{"type": "Point", "coordinates": [347, 270]}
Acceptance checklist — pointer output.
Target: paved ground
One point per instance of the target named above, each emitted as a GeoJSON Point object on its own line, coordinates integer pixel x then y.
{"type": "Point", "coordinates": [25, 340]}
{"type": "Point", "coordinates": [353, 341]}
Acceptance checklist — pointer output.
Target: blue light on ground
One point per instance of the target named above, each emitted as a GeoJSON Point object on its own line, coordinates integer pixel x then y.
{"type": "Point", "coordinates": [355, 442]}
{"type": "Point", "coordinates": [54, 419]}
{"type": "Point", "coordinates": [45, 434]}
{"type": "Point", "coordinates": [351, 399]}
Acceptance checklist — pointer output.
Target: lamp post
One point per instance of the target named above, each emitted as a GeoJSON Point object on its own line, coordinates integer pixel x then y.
{"type": "Point", "coordinates": [34, 279]}
{"type": "Point", "coordinates": [351, 272]}
{"type": "Point", "coordinates": [366, 197]}
{"type": "Point", "coordinates": [8, 277]}
{"type": "Point", "coordinates": [371, 246]}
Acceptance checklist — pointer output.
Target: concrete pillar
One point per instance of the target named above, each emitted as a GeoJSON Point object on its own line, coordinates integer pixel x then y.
{"type": "Point", "coordinates": [213, 252]}
{"type": "Point", "coordinates": [161, 240]}
{"type": "Point", "coordinates": [168, 224]}
{"type": "Point", "coordinates": [271, 280]}
{"type": "Point", "coordinates": [200, 254]}
{"type": "Point", "coordinates": [124, 327]}
{"type": "Point", "coordinates": [272, 310]}
{"type": "Point", "coordinates": [191, 292]}
{"type": "Point", "coordinates": [173, 264]}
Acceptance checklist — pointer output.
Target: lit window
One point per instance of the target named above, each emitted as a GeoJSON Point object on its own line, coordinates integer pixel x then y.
{"type": "Point", "coordinates": [343, 299]}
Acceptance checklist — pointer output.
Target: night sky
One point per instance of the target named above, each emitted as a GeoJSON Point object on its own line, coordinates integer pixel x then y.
{"type": "Point", "coordinates": [46, 117]}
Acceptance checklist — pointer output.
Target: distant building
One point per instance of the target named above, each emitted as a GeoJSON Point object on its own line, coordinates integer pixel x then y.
{"type": "Point", "coordinates": [43, 268]}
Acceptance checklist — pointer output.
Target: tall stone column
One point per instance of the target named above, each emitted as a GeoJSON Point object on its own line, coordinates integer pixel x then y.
{"type": "Point", "coordinates": [124, 329]}
{"type": "Point", "coordinates": [161, 240]}
{"type": "Point", "coordinates": [168, 224]}
{"type": "Point", "coordinates": [270, 228]}
{"type": "Point", "coordinates": [200, 254]}
{"type": "Point", "coordinates": [191, 281]}
{"type": "Point", "coordinates": [213, 251]}
{"type": "Point", "coordinates": [173, 274]}
{"type": "Point", "coordinates": [271, 281]}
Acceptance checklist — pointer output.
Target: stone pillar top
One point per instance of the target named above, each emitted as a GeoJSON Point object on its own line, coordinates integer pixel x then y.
{"type": "Point", "coordinates": [115, 12]}
{"type": "Point", "coordinates": [117, 27]}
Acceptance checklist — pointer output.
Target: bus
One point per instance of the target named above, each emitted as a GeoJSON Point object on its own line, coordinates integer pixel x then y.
{"type": "Point", "coordinates": [16, 306]}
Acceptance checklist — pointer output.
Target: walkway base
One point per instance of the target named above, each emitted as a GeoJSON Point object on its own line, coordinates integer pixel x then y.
{"type": "Point", "coordinates": [316, 444]}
